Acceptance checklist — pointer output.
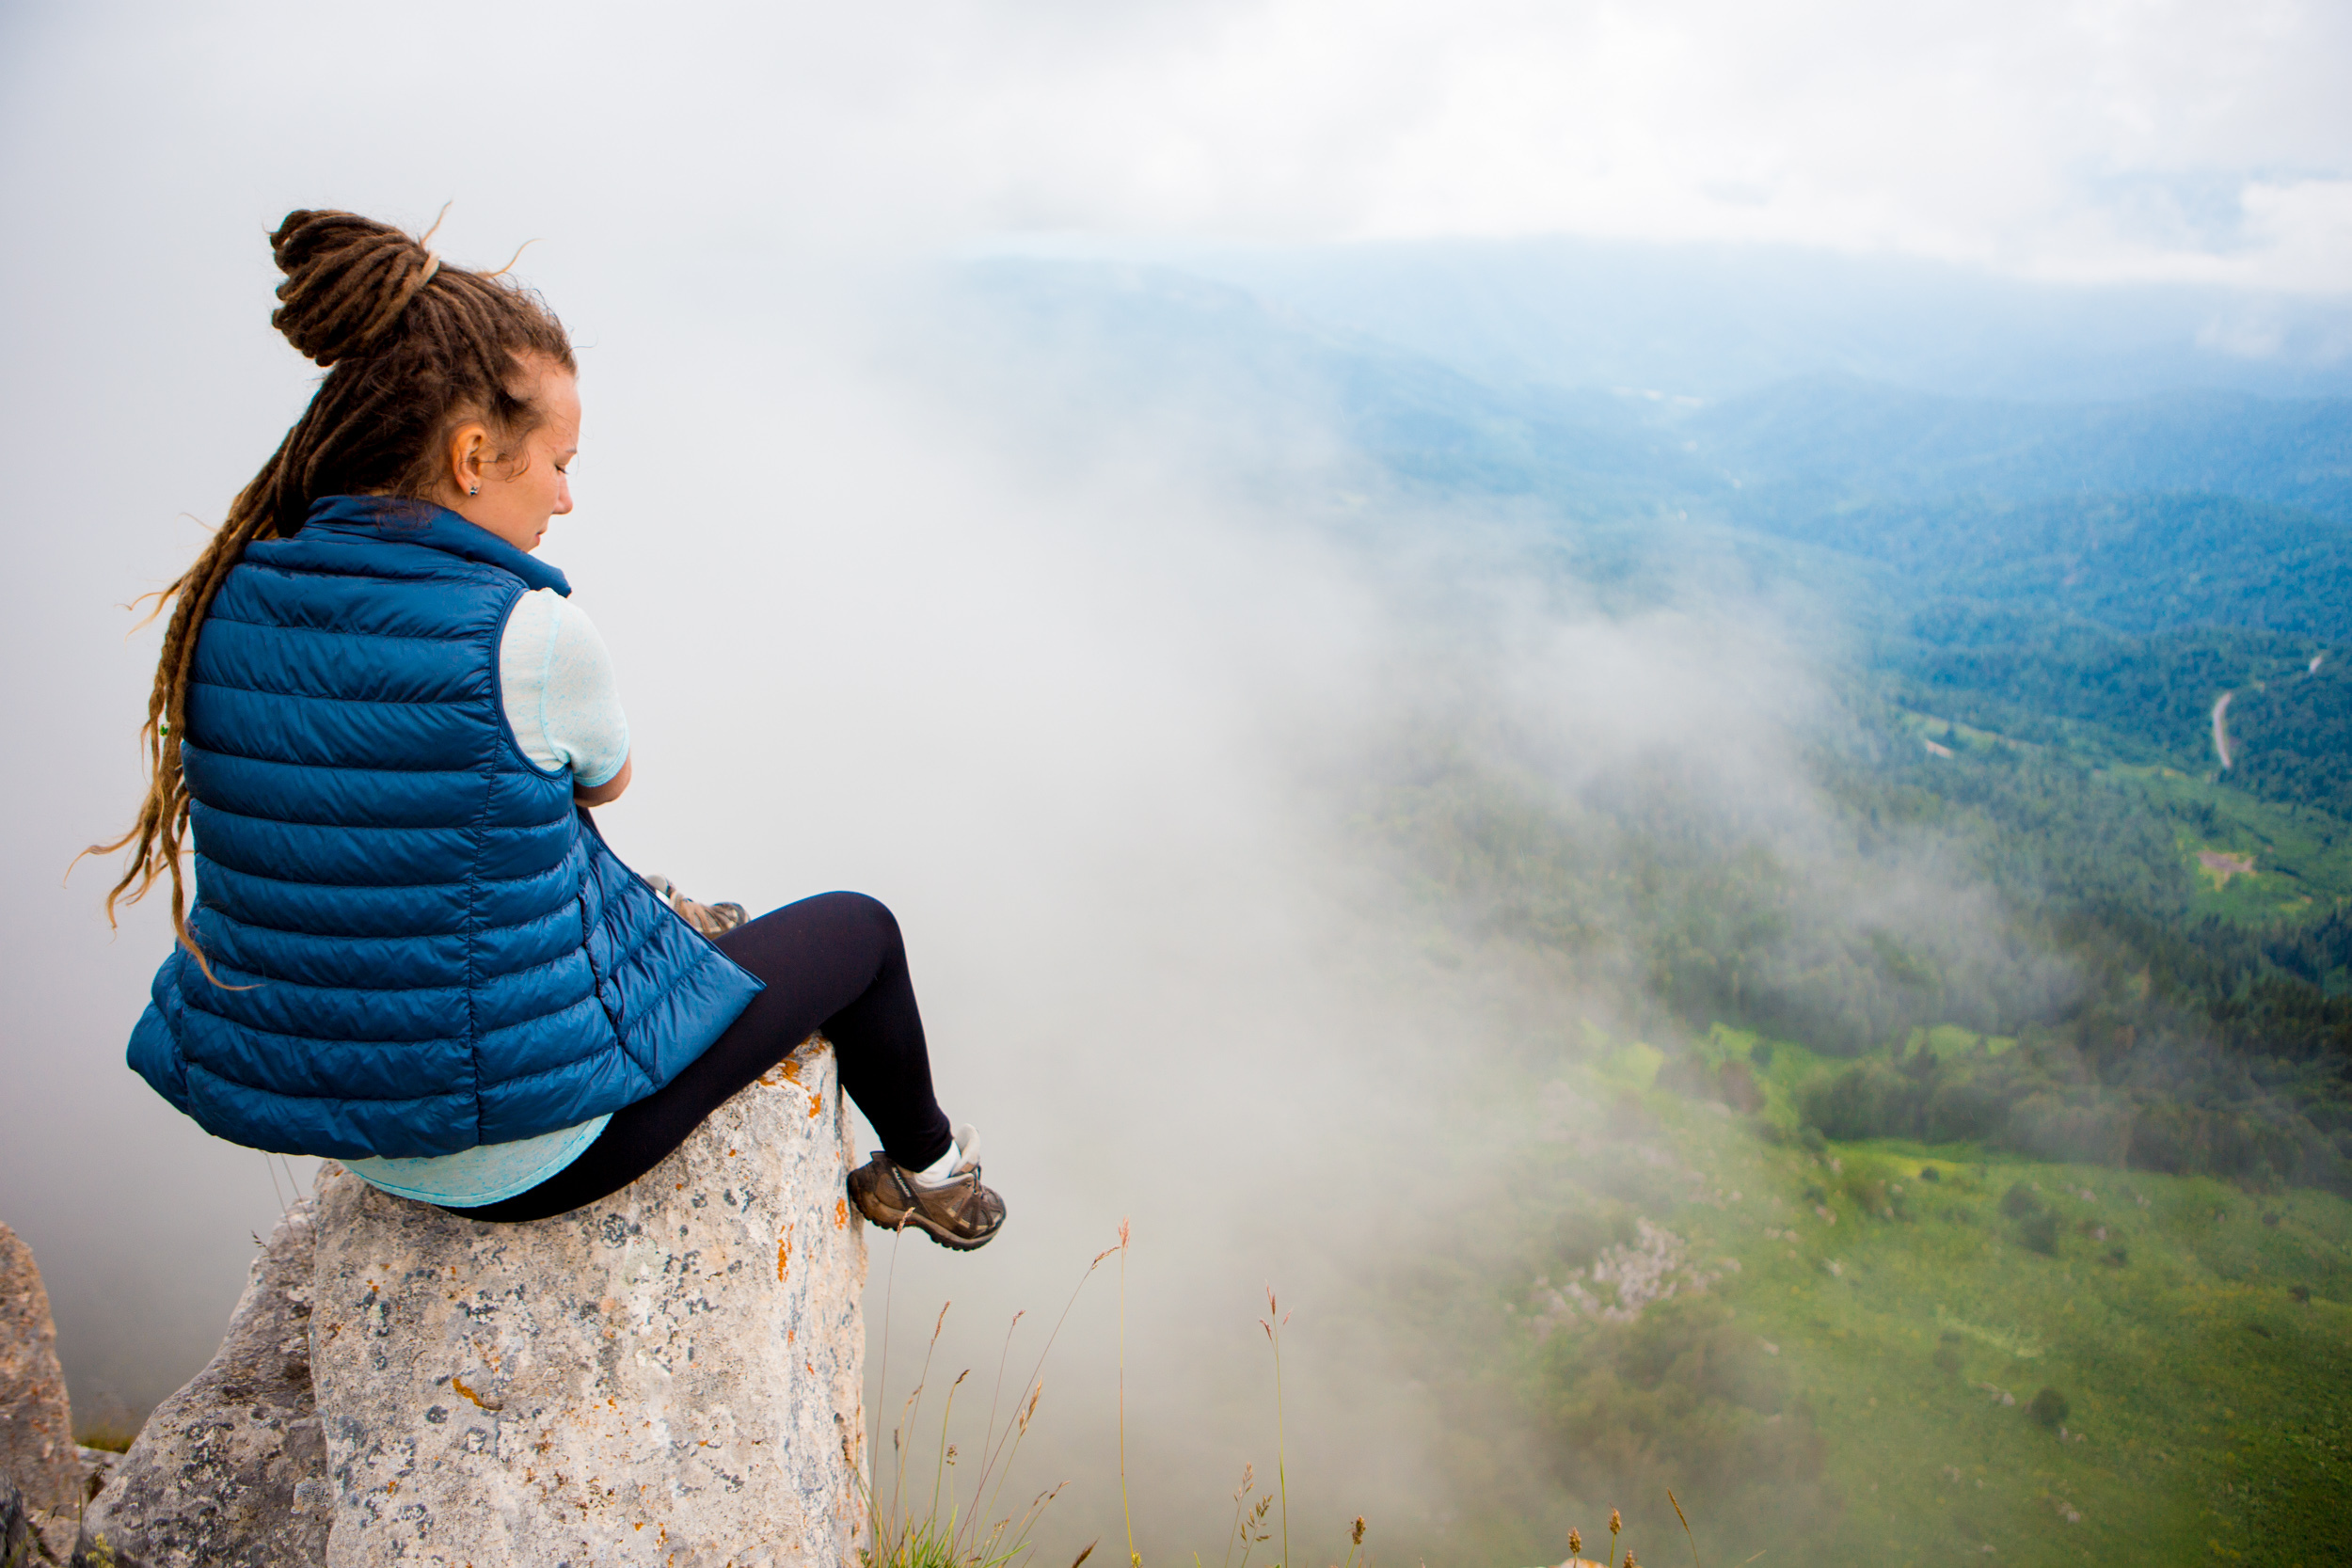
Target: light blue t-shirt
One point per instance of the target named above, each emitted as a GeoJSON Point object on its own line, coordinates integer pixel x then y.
{"type": "Point", "coordinates": [484, 1174]}
{"type": "Point", "coordinates": [555, 680]}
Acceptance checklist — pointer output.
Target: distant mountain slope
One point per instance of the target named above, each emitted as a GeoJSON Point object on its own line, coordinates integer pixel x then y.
{"type": "Point", "coordinates": [1716, 321]}
{"type": "Point", "coordinates": [2294, 737]}
{"type": "Point", "coordinates": [2042, 679]}
{"type": "Point", "coordinates": [2136, 562]}
{"type": "Point", "coordinates": [2021, 564]}
{"type": "Point", "coordinates": [1144, 341]}
{"type": "Point", "coordinates": [1830, 439]}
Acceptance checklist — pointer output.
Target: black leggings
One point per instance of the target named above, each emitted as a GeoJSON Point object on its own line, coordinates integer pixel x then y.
{"type": "Point", "coordinates": [835, 963]}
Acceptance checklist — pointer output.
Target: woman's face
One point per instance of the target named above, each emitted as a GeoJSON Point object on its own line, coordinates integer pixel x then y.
{"type": "Point", "coordinates": [518, 490]}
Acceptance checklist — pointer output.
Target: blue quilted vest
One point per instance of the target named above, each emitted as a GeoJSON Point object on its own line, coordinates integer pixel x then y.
{"type": "Point", "coordinates": [423, 945]}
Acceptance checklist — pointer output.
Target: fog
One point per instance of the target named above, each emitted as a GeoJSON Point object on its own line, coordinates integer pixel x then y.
{"type": "Point", "coordinates": [1087, 689]}
{"type": "Point", "coordinates": [1085, 696]}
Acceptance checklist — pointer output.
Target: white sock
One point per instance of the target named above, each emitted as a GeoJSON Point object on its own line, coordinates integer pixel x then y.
{"type": "Point", "coordinates": [942, 1169]}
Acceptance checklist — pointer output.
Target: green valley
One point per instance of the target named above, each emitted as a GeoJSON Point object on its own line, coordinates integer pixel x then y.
{"type": "Point", "coordinates": [1837, 1350]}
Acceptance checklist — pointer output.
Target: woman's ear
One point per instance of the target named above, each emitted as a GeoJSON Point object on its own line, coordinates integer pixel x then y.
{"type": "Point", "coordinates": [468, 451]}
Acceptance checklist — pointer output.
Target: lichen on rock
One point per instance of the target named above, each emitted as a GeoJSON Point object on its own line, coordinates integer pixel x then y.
{"type": "Point", "coordinates": [673, 1375]}
{"type": "Point", "coordinates": [670, 1376]}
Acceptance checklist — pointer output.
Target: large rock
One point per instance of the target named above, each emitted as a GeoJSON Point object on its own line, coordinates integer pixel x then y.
{"type": "Point", "coordinates": [36, 1423]}
{"type": "Point", "coordinates": [670, 1376]}
{"type": "Point", "coordinates": [19, 1544]}
{"type": "Point", "coordinates": [232, 1470]}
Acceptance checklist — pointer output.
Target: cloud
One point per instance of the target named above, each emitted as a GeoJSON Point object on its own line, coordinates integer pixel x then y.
{"type": "Point", "coordinates": [2016, 135]}
{"type": "Point", "coordinates": [2302, 230]}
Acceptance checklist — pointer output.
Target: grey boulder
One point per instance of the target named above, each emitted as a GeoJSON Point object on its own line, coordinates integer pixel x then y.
{"type": "Point", "coordinates": [673, 1375]}
{"type": "Point", "coordinates": [229, 1472]}
{"type": "Point", "coordinates": [36, 1449]}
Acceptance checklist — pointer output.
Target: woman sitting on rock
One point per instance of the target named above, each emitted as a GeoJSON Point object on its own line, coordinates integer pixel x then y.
{"type": "Point", "coordinates": [381, 717]}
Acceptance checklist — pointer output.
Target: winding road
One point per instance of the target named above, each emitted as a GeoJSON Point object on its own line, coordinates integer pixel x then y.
{"type": "Point", "coordinates": [2221, 729]}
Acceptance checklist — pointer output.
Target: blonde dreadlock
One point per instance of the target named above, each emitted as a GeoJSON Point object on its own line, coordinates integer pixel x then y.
{"type": "Point", "coordinates": [412, 350]}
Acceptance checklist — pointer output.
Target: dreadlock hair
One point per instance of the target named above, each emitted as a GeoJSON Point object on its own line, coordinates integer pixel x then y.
{"type": "Point", "coordinates": [412, 349]}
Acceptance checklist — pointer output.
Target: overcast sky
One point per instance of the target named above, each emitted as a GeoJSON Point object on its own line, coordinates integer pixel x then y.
{"type": "Point", "coordinates": [2095, 139]}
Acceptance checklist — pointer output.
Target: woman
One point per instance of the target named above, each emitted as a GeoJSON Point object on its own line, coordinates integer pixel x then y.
{"type": "Point", "coordinates": [381, 719]}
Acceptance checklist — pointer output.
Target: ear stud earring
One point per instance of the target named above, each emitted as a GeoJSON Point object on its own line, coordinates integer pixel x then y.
{"type": "Point", "coordinates": [475, 491]}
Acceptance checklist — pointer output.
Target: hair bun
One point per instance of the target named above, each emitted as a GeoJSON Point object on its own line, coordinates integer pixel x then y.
{"type": "Point", "coordinates": [347, 281]}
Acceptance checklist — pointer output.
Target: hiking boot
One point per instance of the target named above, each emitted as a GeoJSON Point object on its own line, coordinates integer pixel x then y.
{"type": "Point", "coordinates": [709, 919]}
{"type": "Point", "coordinates": [956, 1209]}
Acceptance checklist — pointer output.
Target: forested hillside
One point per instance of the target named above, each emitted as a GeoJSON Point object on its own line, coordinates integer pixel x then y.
{"type": "Point", "coordinates": [1927, 1114]}
{"type": "Point", "coordinates": [2048, 603]}
{"type": "Point", "coordinates": [2032, 612]}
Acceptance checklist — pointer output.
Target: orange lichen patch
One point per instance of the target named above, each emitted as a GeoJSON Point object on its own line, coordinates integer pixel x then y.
{"type": "Point", "coordinates": [459, 1384]}
{"type": "Point", "coordinates": [789, 1334]}
{"type": "Point", "coordinates": [816, 1106]}
{"type": "Point", "coordinates": [784, 1252]}
{"type": "Point", "coordinates": [841, 1213]}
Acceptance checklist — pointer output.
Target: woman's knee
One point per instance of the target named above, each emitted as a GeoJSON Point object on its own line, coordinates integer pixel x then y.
{"type": "Point", "coordinates": [862, 911]}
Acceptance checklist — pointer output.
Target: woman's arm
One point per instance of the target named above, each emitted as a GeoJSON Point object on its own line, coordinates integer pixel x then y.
{"type": "Point", "coordinates": [607, 792]}
{"type": "Point", "coordinates": [555, 682]}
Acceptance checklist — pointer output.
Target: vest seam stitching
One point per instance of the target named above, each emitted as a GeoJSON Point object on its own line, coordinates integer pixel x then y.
{"type": "Point", "coordinates": [426, 1040]}
{"type": "Point", "coordinates": [243, 970]}
{"type": "Point", "coordinates": [488, 771]}
{"type": "Point", "coordinates": [215, 1073]}
{"type": "Point", "coordinates": [329, 697]}
{"type": "Point", "coordinates": [243, 924]}
{"type": "Point", "coordinates": [474, 773]}
{"type": "Point", "coordinates": [212, 615]}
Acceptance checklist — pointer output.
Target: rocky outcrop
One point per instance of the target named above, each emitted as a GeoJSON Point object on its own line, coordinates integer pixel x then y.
{"type": "Point", "coordinates": [230, 1470]}
{"type": "Point", "coordinates": [18, 1548]}
{"type": "Point", "coordinates": [671, 1376]}
{"type": "Point", "coordinates": [35, 1422]}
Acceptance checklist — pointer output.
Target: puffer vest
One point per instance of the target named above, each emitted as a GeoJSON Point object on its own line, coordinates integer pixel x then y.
{"type": "Point", "coordinates": [422, 943]}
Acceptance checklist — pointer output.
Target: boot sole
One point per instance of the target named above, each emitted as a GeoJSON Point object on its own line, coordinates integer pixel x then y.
{"type": "Point", "coordinates": [947, 1238]}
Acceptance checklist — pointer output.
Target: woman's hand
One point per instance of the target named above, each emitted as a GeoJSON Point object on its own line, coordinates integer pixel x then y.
{"type": "Point", "coordinates": [608, 791]}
